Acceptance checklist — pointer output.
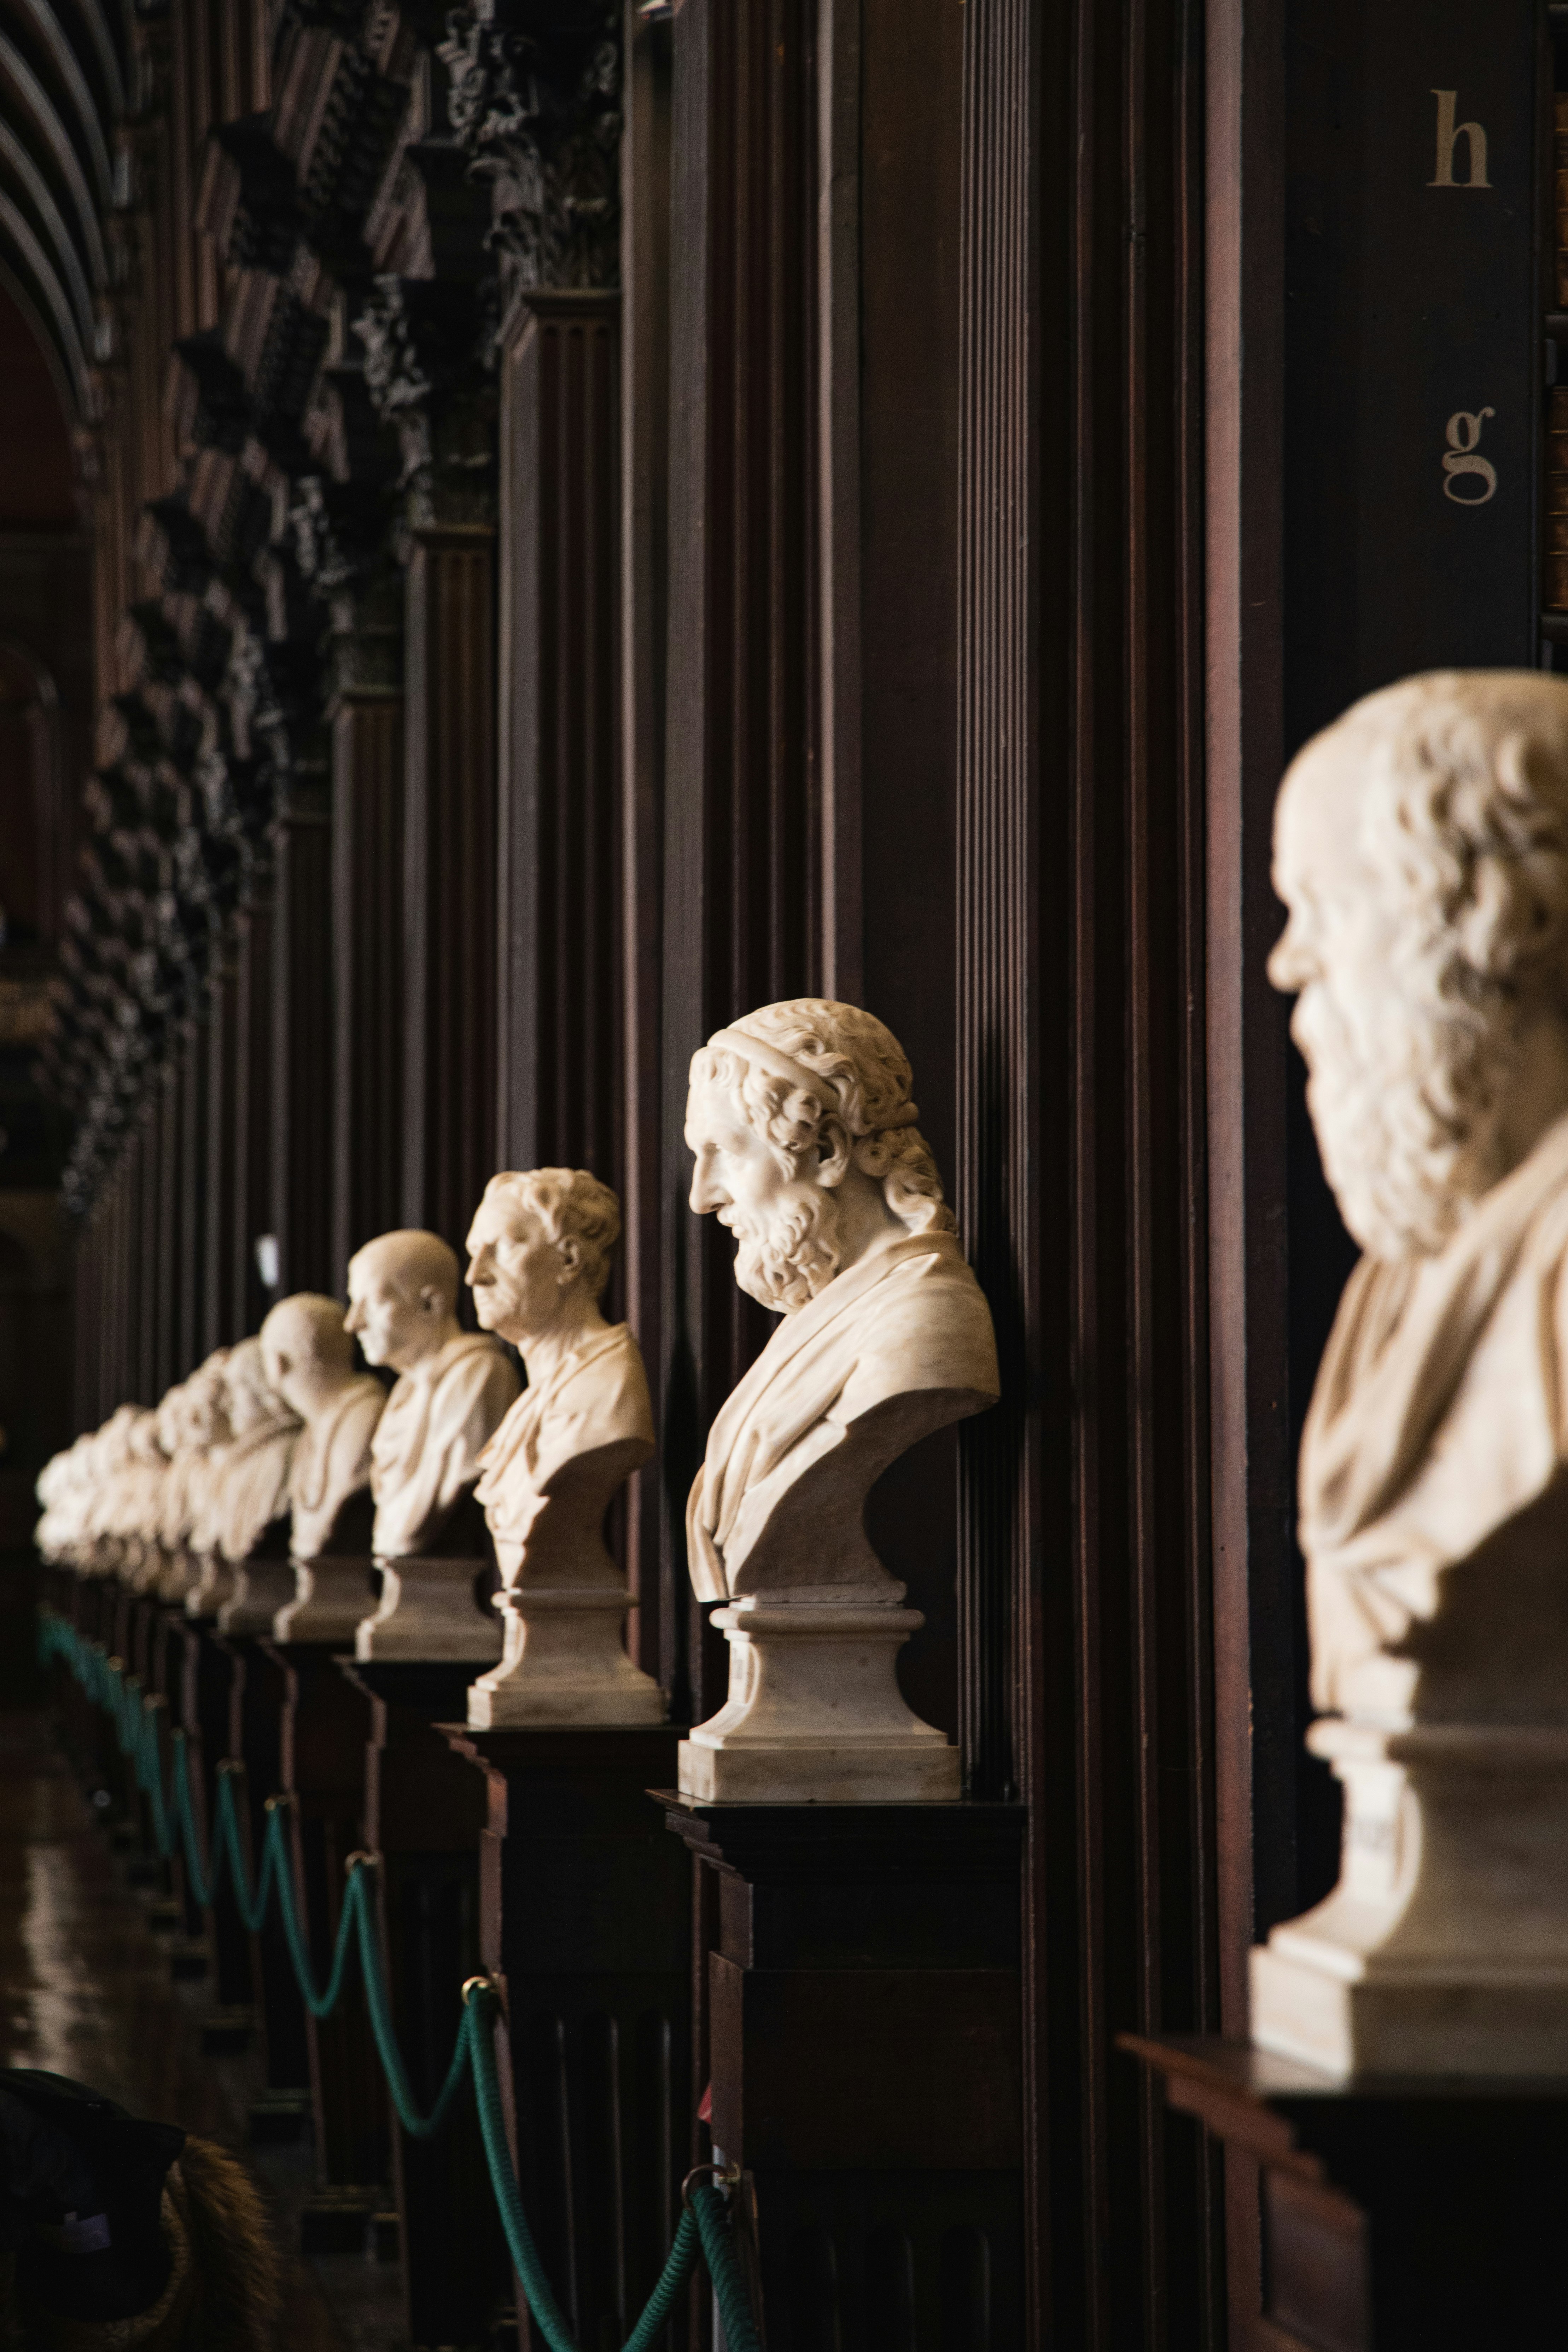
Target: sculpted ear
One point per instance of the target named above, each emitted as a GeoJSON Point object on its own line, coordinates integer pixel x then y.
{"type": "Point", "coordinates": [570, 1253]}
{"type": "Point", "coordinates": [430, 1299]}
{"type": "Point", "coordinates": [834, 1146]}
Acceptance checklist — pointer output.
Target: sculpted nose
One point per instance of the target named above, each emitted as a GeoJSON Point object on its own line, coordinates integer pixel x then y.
{"type": "Point", "coordinates": [705, 1194]}
{"type": "Point", "coordinates": [1289, 966]}
{"type": "Point", "coordinates": [355, 1319]}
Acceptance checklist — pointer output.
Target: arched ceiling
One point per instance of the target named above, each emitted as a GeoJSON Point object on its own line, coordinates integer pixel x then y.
{"type": "Point", "coordinates": [67, 73]}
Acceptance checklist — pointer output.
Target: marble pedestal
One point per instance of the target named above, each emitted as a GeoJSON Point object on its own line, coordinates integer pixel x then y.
{"type": "Point", "coordinates": [863, 2033]}
{"type": "Point", "coordinates": [427, 1610]}
{"type": "Point", "coordinates": [211, 1586]}
{"type": "Point", "coordinates": [564, 1661]}
{"type": "Point", "coordinates": [1444, 1949]}
{"type": "Point", "coordinates": [261, 1587]}
{"type": "Point", "coordinates": [815, 1714]}
{"type": "Point", "coordinates": [330, 1599]}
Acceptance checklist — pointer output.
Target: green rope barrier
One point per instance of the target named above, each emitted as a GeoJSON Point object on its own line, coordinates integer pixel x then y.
{"type": "Point", "coordinates": [703, 2232]}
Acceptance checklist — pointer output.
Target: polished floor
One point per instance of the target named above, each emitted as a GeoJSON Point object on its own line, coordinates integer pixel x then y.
{"type": "Point", "coordinates": [85, 1990]}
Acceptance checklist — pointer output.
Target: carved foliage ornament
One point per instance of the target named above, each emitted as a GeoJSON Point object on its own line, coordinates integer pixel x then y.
{"type": "Point", "coordinates": [540, 119]}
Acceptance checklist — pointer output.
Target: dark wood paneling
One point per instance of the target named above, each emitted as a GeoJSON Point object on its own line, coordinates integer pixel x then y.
{"type": "Point", "coordinates": [1084, 1577]}
{"type": "Point", "coordinates": [302, 1071]}
{"type": "Point", "coordinates": [645, 453]}
{"type": "Point", "coordinates": [449, 843]}
{"type": "Point", "coordinates": [253, 1109]}
{"type": "Point", "coordinates": [368, 894]}
{"type": "Point", "coordinates": [743, 845]}
{"type": "Point", "coordinates": [559, 1077]}
{"type": "Point", "coordinates": [222, 1298]}
{"type": "Point", "coordinates": [195, 1118]}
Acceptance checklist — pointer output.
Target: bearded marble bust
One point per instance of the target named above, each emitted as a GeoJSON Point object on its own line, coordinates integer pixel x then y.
{"type": "Point", "coordinates": [801, 1122]}
{"type": "Point", "coordinates": [1421, 847]}
{"type": "Point", "coordinates": [539, 1258]}
{"type": "Point", "coordinates": [453, 1388]}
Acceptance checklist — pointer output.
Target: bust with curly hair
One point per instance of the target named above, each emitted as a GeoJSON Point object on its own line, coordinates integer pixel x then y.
{"type": "Point", "coordinates": [539, 1259]}
{"type": "Point", "coordinates": [807, 1147]}
{"type": "Point", "coordinates": [1421, 848]}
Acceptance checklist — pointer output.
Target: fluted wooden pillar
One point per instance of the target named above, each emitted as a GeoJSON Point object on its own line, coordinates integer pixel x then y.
{"type": "Point", "coordinates": [368, 891]}
{"type": "Point", "coordinates": [223, 1295]}
{"type": "Point", "coordinates": [449, 850]}
{"type": "Point", "coordinates": [196, 1200]}
{"type": "Point", "coordinates": [300, 1173]}
{"type": "Point", "coordinates": [561, 972]}
{"type": "Point", "coordinates": [253, 1107]}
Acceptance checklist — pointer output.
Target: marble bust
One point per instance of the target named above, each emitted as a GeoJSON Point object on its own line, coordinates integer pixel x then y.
{"type": "Point", "coordinates": [245, 1497]}
{"type": "Point", "coordinates": [453, 1391]}
{"type": "Point", "coordinates": [807, 1147]}
{"type": "Point", "coordinates": [1421, 848]}
{"type": "Point", "coordinates": [539, 1258]}
{"type": "Point", "coordinates": [307, 1354]}
{"type": "Point", "coordinates": [193, 1425]}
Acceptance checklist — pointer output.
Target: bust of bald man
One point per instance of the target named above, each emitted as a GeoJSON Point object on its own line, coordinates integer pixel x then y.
{"type": "Point", "coordinates": [453, 1391]}
{"type": "Point", "coordinates": [307, 1350]}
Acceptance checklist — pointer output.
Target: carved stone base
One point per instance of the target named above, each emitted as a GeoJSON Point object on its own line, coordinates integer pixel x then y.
{"type": "Point", "coordinates": [815, 1716]}
{"type": "Point", "coordinates": [1444, 1949]}
{"type": "Point", "coordinates": [261, 1587]}
{"type": "Point", "coordinates": [213, 1587]}
{"type": "Point", "coordinates": [427, 1611]}
{"type": "Point", "coordinates": [328, 1601]}
{"type": "Point", "coordinates": [562, 1661]}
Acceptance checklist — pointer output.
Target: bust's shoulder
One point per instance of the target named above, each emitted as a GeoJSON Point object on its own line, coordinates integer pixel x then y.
{"type": "Point", "coordinates": [924, 1324]}
{"type": "Point", "coordinates": [473, 1368]}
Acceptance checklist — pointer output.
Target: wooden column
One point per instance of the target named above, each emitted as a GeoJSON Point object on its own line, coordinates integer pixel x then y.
{"type": "Point", "coordinates": [450, 877]}
{"type": "Point", "coordinates": [195, 1200]}
{"type": "Point", "coordinates": [368, 895]}
{"type": "Point", "coordinates": [741, 835]}
{"type": "Point", "coordinates": [1081, 1061]}
{"type": "Point", "coordinates": [300, 1138]}
{"type": "Point", "coordinates": [253, 1106]}
{"type": "Point", "coordinates": [223, 1295]}
{"type": "Point", "coordinates": [561, 975]}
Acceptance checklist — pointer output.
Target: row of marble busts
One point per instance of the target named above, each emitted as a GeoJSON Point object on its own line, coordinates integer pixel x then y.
{"type": "Point", "coordinates": [281, 1473]}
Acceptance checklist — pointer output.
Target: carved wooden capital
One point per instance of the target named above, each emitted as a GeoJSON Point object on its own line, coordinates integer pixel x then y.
{"type": "Point", "coordinates": [539, 113]}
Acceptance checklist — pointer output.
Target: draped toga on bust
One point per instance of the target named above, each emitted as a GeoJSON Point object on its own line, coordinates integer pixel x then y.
{"type": "Point", "coordinates": [333, 1462]}
{"type": "Point", "coordinates": [244, 1488]}
{"type": "Point", "coordinates": [907, 1317]}
{"type": "Point", "coordinates": [595, 1397]}
{"type": "Point", "coordinates": [1438, 1420]}
{"type": "Point", "coordinates": [427, 1444]}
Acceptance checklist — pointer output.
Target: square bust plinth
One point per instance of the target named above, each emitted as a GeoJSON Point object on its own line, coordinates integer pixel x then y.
{"type": "Point", "coordinates": [1409, 2213]}
{"type": "Point", "coordinates": [860, 1997]}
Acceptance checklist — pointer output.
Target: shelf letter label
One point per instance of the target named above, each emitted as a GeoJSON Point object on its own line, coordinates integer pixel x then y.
{"type": "Point", "coordinates": [1463, 434]}
{"type": "Point", "coordinates": [1450, 134]}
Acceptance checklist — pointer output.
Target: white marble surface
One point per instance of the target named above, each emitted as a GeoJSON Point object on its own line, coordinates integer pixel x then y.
{"type": "Point", "coordinates": [805, 1136]}
{"type": "Point", "coordinates": [1421, 847]}
{"type": "Point", "coordinates": [539, 1257]}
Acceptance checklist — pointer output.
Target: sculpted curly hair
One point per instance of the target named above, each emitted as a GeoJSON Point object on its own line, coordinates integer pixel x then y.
{"type": "Point", "coordinates": [857, 1071]}
{"type": "Point", "coordinates": [1463, 782]}
{"type": "Point", "coordinates": [571, 1205]}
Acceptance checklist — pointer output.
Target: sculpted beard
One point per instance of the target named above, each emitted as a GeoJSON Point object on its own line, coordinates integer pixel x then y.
{"type": "Point", "coordinates": [1406, 1118]}
{"type": "Point", "coordinates": [784, 1258]}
